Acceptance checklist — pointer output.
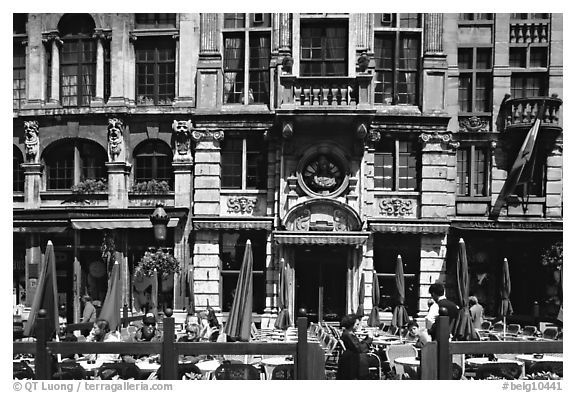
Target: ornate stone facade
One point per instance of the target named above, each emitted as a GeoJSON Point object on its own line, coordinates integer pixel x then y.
{"type": "Point", "coordinates": [199, 134]}
{"type": "Point", "coordinates": [242, 205]}
{"type": "Point", "coordinates": [396, 207]}
{"type": "Point", "coordinates": [182, 131]}
{"type": "Point", "coordinates": [116, 152]}
{"type": "Point", "coordinates": [32, 141]}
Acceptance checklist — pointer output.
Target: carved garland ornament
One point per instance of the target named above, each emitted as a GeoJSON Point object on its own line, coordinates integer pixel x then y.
{"type": "Point", "coordinates": [242, 205]}
{"type": "Point", "coordinates": [473, 124]}
{"type": "Point", "coordinates": [396, 207]}
{"type": "Point", "coordinates": [116, 140]}
{"type": "Point", "coordinates": [182, 132]}
{"type": "Point", "coordinates": [31, 141]}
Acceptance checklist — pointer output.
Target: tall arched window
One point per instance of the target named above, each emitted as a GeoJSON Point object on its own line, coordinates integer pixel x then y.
{"type": "Point", "coordinates": [17, 171]}
{"type": "Point", "coordinates": [77, 60]}
{"type": "Point", "coordinates": [71, 162]}
{"type": "Point", "coordinates": [153, 160]}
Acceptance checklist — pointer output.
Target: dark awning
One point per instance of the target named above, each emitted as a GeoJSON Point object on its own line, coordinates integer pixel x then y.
{"type": "Point", "coordinates": [116, 223]}
{"type": "Point", "coordinates": [320, 237]}
{"type": "Point", "coordinates": [508, 225]}
{"type": "Point", "coordinates": [218, 223]}
{"type": "Point", "coordinates": [404, 227]}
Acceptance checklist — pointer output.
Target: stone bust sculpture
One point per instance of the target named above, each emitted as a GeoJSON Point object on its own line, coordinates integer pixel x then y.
{"type": "Point", "coordinates": [116, 140]}
{"type": "Point", "coordinates": [31, 141]}
{"type": "Point", "coordinates": [182, 131]}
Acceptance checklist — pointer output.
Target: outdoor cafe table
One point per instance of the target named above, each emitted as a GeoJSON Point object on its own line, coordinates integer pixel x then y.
{"type": "Point", "coordinates": [208, 367]}
{"type": "Point", "coordinates": [270, 363]}
{"type": "Point", "coordinates": [410, 361]}
{"type": "Point", "coordinates": [545, 358]}
{"type": "Point", "coordinates": [475, 362]}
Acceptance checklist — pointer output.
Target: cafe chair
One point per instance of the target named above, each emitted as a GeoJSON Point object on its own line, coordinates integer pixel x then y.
{"type": "Point", "coordinates": [118, 371]}
{"type": "Point", "coordinates": [398, 351]}
{"type": "Point", "coordinates": [283, 372]}
{"type": "Point", "coordinates": [500, 370]}
{"type": "Point", "coordinates": [375, 372]}
{"type": "Point", "coordinates": [189, 371]}
{"type": "Point", "coordinates": [498, 327]}
{"type": "Point", "coordinates": [22, 370]}
{"type": "Point", "coordinates": [69, 371]}
{"type": "Point", "coordinates": [486, 325]}
{"type": "Point", "coordinates": [560, 336]}
{"type": "Point", "coordinates": [550, 333]}
{"type": "Point", "coordinates": [529, 331]}
{"type": "Point", "coordinates": [231, 371]}
{"type": "Point", "coordinates": [494, 337]}
{"type": "Point", "coordinates": [513, 329]}
{"type": "Point", "coordinates": [542, 367]}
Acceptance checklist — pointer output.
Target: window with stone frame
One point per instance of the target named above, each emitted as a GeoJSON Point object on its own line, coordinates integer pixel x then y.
{"type": "Point", "coordinates": [323, 48]}
{"type": "Point", "coordinates": [18, 75]}
{"type": "Point", "coordinates": [155, 21]}
{"type": "Point", "coordinates": [475, 17]}
{"type": "Point", "coordinates": [246, 53]}
{"type": "Point", "coordinates": [155, 70]}
{"type": "Point", "coordinates": [77, 60]}
{"type": "Point", "coordinates": [68, 163]}
{"type": "Point", "coordinates": [17, 171]}
{"type": "Point", "coordinates": [472, 170]}
{"type": "Point", "coordinates": [153, 161]}
{"type": "Point", "coordinates": [232, 246]}
{"type": "Point", "coordinates": [397, 53]}
{"type": "Point", "coordinates": [396, 165]}
{"type": "Point", "coordinates": [387, 247]}
{"type": "Point", "coordinates": [475, 80]}
{"type": "Point", "coordinates": [529, 55]}
{"type": "Point", "coordinates": [243, 162]}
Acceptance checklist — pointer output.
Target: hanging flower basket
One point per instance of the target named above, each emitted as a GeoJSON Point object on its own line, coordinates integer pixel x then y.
{"type": "Point", "coordinates": [164, 263]}
{"type": "Point", "coordinates": [553, 256]}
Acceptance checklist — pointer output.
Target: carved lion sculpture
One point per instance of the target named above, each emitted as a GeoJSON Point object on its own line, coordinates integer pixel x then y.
{"type": "Point", "coordinates": [115, 140]}
{"type": "Point", "coordinates": [182, 132]}
{"type": "Point", "coordinates": [31, 141]}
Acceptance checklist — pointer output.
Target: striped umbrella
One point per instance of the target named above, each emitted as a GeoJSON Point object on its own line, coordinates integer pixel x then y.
{"type": "Point", "coordinates": [400, 315]}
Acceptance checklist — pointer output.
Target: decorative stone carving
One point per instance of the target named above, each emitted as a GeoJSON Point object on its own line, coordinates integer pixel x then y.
{"type": "Point", "coordinates": [287, 130]}
{"type": "Point", "coordinates": [363, 62]}
{"type": "Point", "coordinates": [396, 207]}
{"type": "Point", "coordinates": [361, 131]}
{"type": "Point", "coordinates": [242, 205]}
{"type": "Point", "coordinates": [340, 221]}
{"type": "Point", "coordinates": [287, 63]}
{"type": "Point", "coordinates": [182, 132]}
{"type": "Point", "coordinates": [437, 137]}
{"type": "Point", "coordinates": [31, 141]}
{"type": "Point", "coordinates": [207, 135]}
{"type": "Point", "coordinates": [373, 135]}
{"type": "Point", "coordinates": [473, 124]}
{"type": "Point", "coordinates": [302, 221]}
{"type": "Point", "coordinates": [116, 151]}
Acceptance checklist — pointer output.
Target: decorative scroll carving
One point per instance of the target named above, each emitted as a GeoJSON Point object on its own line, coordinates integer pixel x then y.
{"type": "Point", "coordinates": [242, 205]}
{"type": "Point", "coordinates": [396, 207]}
{"type": "Point", "coordinates": [287, 130]}
{"type": "Point", "coordinates": [116, 151]}
{"type": "Point", "coordinates": [373, 135]}
{"type": "Point", "coordinates": [473, 124]}
{"type": "Point", "coordinates": [182, 133]}
{"type": "Point", "coordinates": [207, 135]}
{"type": "Point", "coordinates": [32, 141]}
{"type": "Point", "coordinates": [340, 221]}
{"type": "Point", "coordinates": [302, 221]}
{"type": "Point", "coordinates": [437, 137]}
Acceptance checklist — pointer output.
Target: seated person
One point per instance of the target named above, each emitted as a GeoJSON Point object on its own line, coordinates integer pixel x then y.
{"type": "Point", "coordinates": [192, 336]}
{"type": "Point", "coordinates": [354, 361]}
{"type": "Point", "coordinates": [416, 335]}
{"type": "Point", "coordinates": [213, 326]}
{"type": "Point", "coordinates": [101, 333]}
{"type": "Point", "coordinates": [148, 332]}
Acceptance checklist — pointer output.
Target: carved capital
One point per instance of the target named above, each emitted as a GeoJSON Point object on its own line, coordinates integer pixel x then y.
{"type": "Point", "coordinates": [473, 124]}
{"type": "Point", "coordinates": [242, 205]}
{"type": "Point", "coordinates": [396, 207]}
{"type": "Point", "coordinates": [32, 141]}
{"type": "Point", "coordinates": [206, 134]}
{"type": "Point", "coordinates": [132, 37]}
{"type": "Point", "coordinates": [52, 37]}
{"type": "Point", "coordinates": [445, 138]}
{"type": "Point", "coordinates": [102, 35]}
{"type": "Point", "coordinates": [116, 152]}
{"type": "Point", "coordinates": [182, 131]}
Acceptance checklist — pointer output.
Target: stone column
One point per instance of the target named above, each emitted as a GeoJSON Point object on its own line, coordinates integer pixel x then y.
{"type": "Point", "coordinates": [35, 64]}
{"type": "Point", "coordinates": [187, 59]}
{"type": "Point", "coordinates": [120, 50]}
{"type": "Point", "coordinates": [450, 47]}
{"type": "Point", "coordinates": [502, 73]}
{"type": "Point", "coordinates": [209, 76]}
{"type": "Point", "coordinates": [432, 266]}
{"type": "Point", "coordinates": [556, 72]}
{"type": "Point", "coordinates": [207, 171]}
{"type": "Point", "coordinates": [270, 278]}
{"type": "Point", "coordinates": [54, 42]}
{"type": "Point", "coordinates": [98, 99]}
{"type": "Point", "coordinates": [285, 34]}
{"type": "Point", "coordinates": [32, 185]}
{"type": "Point", "coordinates": [434, 66]}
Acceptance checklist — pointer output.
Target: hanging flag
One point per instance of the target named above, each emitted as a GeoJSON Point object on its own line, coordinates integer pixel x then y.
{"type": "Point", "coordinates": [523, 166]}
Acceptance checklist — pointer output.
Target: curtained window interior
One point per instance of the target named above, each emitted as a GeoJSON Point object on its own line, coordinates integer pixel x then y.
{"type": "Point", "coordinates": [472, 171]}
{"type": "Point", "coordinates": [155, 71]}
{"type": "Point", "coordinates": [18, 75]}
{"type": "Point", "coordinates": [153, 161]}
{"type": "Point", "coordinates": [324, 50]}
{"type": "Point", "coordinates": [395, 166]}
{"type": "Point", "coordinates": [243, 163]}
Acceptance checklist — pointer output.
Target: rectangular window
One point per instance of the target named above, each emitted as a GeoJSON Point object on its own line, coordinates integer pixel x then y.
{"type": "Point", "coordinates": [151, 21]}
{"type": "Point", "coordinates": [323, 50]}
{"type": "Point", "coordinates": [232, 246]}
{"type": "Point", "coordinates": [246, 59]}
{"type": "Point", "coordinates": [77, 72]}
{"type": "Point", "coordinates": [525, 85]}
{"type": "Point", "coordinates": [475, 80]}
{"type": "Point", "coordinates": [19, 75]}
{"type": "Point", "coordinates": [474, 17]}
{"type": "Point", "coordinates": [155, 72]}
{"type": "Point", "coordinates": [472, 171]}
{"type": "Point", "coordinates": [533, 181]}
{"type": "Point", "coordinates": [397, 55]}
{"type": "Point", "coordinates": [395, 166]}
{"type": "Point", "coordinates": [243, 163]}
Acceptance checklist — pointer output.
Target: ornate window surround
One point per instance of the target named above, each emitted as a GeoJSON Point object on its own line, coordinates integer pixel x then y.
{"type": "Point", "coordinates": [334, 153]}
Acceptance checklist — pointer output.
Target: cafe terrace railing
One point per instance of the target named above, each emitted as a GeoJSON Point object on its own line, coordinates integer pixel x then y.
{"type": "Point", "coordinates": [325, 92]}
{"type": "Point", "coordinates": [308, 357]}
{"type": "Point", "coordinates": [521, 112]}
{"type": "Point", "coordinates": [436, 357]}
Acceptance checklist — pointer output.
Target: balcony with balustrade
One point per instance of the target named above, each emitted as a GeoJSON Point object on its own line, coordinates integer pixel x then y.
{"type": "Point", "coordinates": [520, 113]}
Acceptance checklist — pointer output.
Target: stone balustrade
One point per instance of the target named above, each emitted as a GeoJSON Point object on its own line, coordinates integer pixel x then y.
{"type": "Point", "coordinates": [533, 32]}
{"type": "Point", "coordinates": [521, 112]}
{"type": "Point", "coordinates": [329, 92]}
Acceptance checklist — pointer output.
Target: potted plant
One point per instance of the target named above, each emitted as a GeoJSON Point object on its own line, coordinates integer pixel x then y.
{"type": "Point", "coordinates": [90, 186]}
{"type": "Point", "coordinates": [164, 263]}
{"type": "Point", "coordinates": [151, 187]}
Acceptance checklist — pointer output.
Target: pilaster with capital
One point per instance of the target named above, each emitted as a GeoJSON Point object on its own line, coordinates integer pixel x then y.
{"type": "Point", "coordinates": [434, 65]}
{"type": "Point", "coordinates": [189, 47]}
{"type": "Point", "coordinates": [182, 162]}
{"type": "Point", "coordinates": [209, 77]}
{"type": "Point", "coordinates": [207, 171]}
{"type": "Point", "coordinates": [101, 37]}
{"type": "Point", "coordinates": [54, 43]}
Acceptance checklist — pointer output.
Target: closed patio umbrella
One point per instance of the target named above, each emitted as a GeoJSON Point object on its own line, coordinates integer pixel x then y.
{"type": "Point", "coordinates": [505, 289]}
{"type": "Point", "coordinates": [400, 315]}
{"type": "Point", "coordinates": [283, 319]}
{"type": "Point", "coordinates": [154, 296]}
{"type": "Point", "coordinates": [190, 282]}
{"type": "Point", "coordinates": [374, 318]}
{"type": "Point", "coordinates": [361, 295]}
{"type": "Point", "coordinates": [112, 303]}
{"type": "Point", "coordinates": [463, 329]}
{"type": "Point", "coordinates": [240, 318]}
{"type": "Point", "coordinates": [46, 295]}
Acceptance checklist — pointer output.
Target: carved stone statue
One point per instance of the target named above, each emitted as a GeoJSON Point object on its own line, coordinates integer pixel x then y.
{"type": "Point", "coordinates": [31, 141]}
{"type": "Point", "coordinates": [116, 151]}
{"type": "Point", "coordinates": [182, 133]}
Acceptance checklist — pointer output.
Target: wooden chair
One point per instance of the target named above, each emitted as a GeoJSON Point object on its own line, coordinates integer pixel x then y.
{"type": "Point", "coordinates": [501, 370]}
{"type": "Point", "coordinates": [283, 372]}
{"type": "Point", "coordinates": [230, 371]}
{"type": "Point", "coordinates": [541, 367]}
{"type": "Point", "coordinates": [550, 333]}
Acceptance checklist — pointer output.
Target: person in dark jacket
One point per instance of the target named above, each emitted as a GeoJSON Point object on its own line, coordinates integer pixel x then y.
{"type": "Point", "coordinates": [354, 362]}
{"type": "Point", "coordinates": [437, 292]}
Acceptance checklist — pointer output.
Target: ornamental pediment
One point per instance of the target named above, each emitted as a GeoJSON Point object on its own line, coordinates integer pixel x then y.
{"type": "Point", "coordinates": [322, 214]}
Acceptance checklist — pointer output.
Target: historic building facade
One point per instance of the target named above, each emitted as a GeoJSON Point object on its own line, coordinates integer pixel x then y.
{"type": "Point", "coordinates": [333, 141]}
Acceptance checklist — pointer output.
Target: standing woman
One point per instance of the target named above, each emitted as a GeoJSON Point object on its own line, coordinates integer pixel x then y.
{"type": "Point", "coordinates": [354, 362]}
{"type": "Point", "coordinates": [89, 313]}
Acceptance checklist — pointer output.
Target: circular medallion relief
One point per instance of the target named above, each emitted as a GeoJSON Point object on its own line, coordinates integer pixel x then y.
{"type": "Point", "coordinates": [322, 174]}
